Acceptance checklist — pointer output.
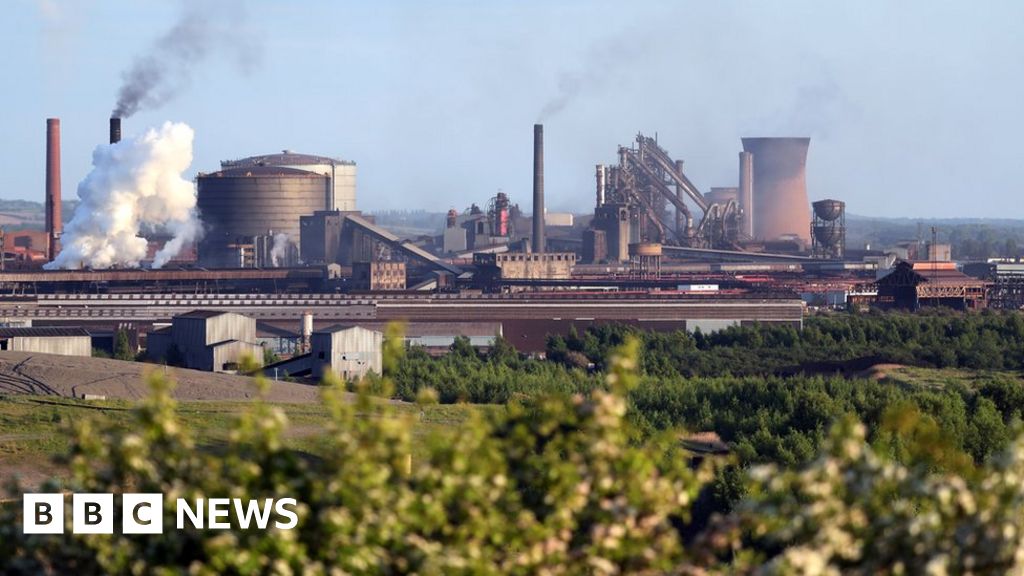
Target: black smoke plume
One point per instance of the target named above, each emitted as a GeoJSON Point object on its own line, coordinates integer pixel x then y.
{"type": "Point", "coordinates": [161, 73]}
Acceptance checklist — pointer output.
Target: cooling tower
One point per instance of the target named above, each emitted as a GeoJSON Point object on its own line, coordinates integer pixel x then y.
{"type": "Point", "coordinates": [747, 193]}
{"type": "Point", "coordinates": [780, 206]}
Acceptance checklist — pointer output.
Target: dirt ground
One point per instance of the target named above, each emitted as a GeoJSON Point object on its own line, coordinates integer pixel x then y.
{"type": "Point", "coordinates": [73, 376]}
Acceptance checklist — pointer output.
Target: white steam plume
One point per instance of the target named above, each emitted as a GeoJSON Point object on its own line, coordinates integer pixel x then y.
{"type": "Point", "coordinates": [134, 185]}
{"type": "Point", "coordinates": [280, 249]}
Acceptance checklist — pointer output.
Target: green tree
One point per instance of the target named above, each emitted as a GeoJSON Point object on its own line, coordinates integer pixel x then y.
{"type": "Point", "coordinates": [122, 347]}
{"type": "Point", "coordinates": [270, 356]}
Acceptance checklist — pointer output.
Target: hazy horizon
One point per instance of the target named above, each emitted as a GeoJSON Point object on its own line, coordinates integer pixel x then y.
{"type": "Point", "coordinates": [911, 107]}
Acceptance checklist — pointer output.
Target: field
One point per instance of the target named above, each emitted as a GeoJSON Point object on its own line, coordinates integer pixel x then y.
{"type": "Point", "coordinates": [937, 378]}
{"type": "Point", "coordinates": [40, 401]}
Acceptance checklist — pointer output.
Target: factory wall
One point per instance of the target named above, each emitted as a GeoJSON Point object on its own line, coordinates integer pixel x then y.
{"type": "Point", "coordinates": [62, 345]}
{"type": "Point", "coordinates": [378, 276]}
{"type": "Point", "coordinates": [549, 266]}
{"type": "Point", "coordinates": [320, 237]}
{"type": "Point", "coordinates": [207, 340]}
{"type": "Point", "coordinates": [347, 352]}
{"type": "Point", "coordinates": [213, 329]}
{"type": "Point", "coordinates": [226, 356]}
{"type": "Point", "coordinates": [344, 178]}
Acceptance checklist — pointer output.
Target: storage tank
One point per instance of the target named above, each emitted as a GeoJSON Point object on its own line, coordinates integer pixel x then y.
{"type": "Point", "coordinates": [341, 172]}
{"type": "Point", "coordinates": [829, 229]}
{"type": "Point", "coordinates": [239, 203]}
{"type": "Point", "coordinates": [722, 195]}
{"type": "Point", "coordinates": [780, 205]}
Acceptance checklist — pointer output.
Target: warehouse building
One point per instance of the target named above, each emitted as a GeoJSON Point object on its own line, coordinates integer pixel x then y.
{"type": "Point", "coordinates": [71, 341]}
{"type": "Point", "coordinates": [349, 353]}
{"type": "Point", "coordinates": [206, 340]}
{"type": "Point", "coordinates": [911, 286]}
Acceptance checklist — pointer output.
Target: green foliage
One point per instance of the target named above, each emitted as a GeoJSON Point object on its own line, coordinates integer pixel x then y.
{"type": "Point", "coordinates": [122, 347]}
{"type": "Point", "coordinates": [553, 486]}
{"type": "Point", "coordinates": [561, 484]}
{"type": "Point", "coordinates": [853, 510]}
{"type": "Point", "coordinates": [270, 356]}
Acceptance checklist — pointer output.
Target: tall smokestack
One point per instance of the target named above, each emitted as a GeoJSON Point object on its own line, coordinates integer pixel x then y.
{"type": "Point", "coordinates": [538, 188]}
{"type": "Point", "coordinates": [780, 205]}
{"type": "Point", "coordinates": [53, 222]}
{"type": "Point", "coordinates": [115, 130]}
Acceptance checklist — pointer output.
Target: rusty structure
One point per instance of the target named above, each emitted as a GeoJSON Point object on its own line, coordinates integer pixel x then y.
{"type": "Point", "coordinates": [139, 281]}
{"type": "Point", "coordinates": [645, 260]}
{"type": "Point", "coordinates": [647, 198]}
{"type": "Point", "coordinates": [911, 286]}
{"type": "Point", "coordinates": [828, 230]}
{"type": "Point", "coordinates": [53, 200]}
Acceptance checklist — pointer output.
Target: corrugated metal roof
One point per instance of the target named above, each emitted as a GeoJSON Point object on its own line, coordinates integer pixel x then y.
{"type": "Point", "coordinates": [202, 314]}
{"type": "Point", "coordinates": [43, 332]}
{"type": "Point", "coordinates": [339, 328]}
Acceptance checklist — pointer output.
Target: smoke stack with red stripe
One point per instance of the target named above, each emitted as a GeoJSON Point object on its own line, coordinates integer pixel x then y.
{"type": "Point", "coordinates": [53, 221]}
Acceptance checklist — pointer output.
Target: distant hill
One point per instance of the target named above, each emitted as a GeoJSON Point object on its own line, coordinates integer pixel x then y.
{"type": "Point", "coordinates": [28, 214]}
{"type": "Point", "coordinates": [971, 238]}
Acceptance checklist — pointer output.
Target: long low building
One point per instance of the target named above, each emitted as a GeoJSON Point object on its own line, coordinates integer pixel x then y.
{"type": "Point", "coordinates": [525, 318]}
{"type": "Point", "coordinates": [63, 340]}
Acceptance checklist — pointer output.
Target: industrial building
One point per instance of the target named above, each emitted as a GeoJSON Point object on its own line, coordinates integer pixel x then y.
{"type": "Point", "coordinates": [349, 353]}
{"type": "Point", "coordinates": [1006, 282]}
{"type": "Point", "coordinates": [65, 341]}
{"type": "Point", "coordinates": [240, 204]}
{"type": "Point", "coordinates": [476, 229]}
{"type": "Point", "coordinates": [524, 265]}
{"type": "Point", "coordinates": [370, 276]}
{"type": "Point", "coordinates": [340, 173]}
{"type": "Point", "coordinates": [911, 286]}
{"type": "Point", "coordinates": [206, 340]}
{"type": "Point", "coordinates": [633, 201]}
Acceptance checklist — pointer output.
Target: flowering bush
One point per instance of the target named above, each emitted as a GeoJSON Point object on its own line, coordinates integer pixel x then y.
{"type": "Point", "coordinates": [556, 485]}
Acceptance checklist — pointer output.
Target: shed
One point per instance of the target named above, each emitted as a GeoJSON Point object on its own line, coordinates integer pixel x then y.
{"type": "Point", "coordinates": [347, 352]}
{"type": "Point", "coordinates": [69, 341]}
{"type": "Point", "coordinates": [209, 340]}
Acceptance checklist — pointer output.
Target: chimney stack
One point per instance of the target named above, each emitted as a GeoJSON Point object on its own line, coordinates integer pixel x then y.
{"type": "Point", "coordinates": [53, 221]}
{"type": "Point", "coordinates": [115, 130]}
{"type": "Point", "coordinates": [538, 188]}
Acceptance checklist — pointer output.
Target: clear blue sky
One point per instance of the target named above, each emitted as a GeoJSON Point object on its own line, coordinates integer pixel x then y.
{"type": "Point", "coordinates": [915, 108]}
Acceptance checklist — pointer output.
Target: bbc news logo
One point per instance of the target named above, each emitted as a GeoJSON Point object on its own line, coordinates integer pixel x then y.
{"type": "Point", "coordinates": [144, 513]}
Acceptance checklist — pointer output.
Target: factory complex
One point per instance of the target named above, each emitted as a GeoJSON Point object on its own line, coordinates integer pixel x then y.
{"type": "Point", "coordinates": [287, 263]}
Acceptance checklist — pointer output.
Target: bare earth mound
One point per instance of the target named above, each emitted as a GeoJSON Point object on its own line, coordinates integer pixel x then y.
{"type": "Point", "coordinates": [878, 371]}
{"type": "Point", "coordinates": [73, 376]}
